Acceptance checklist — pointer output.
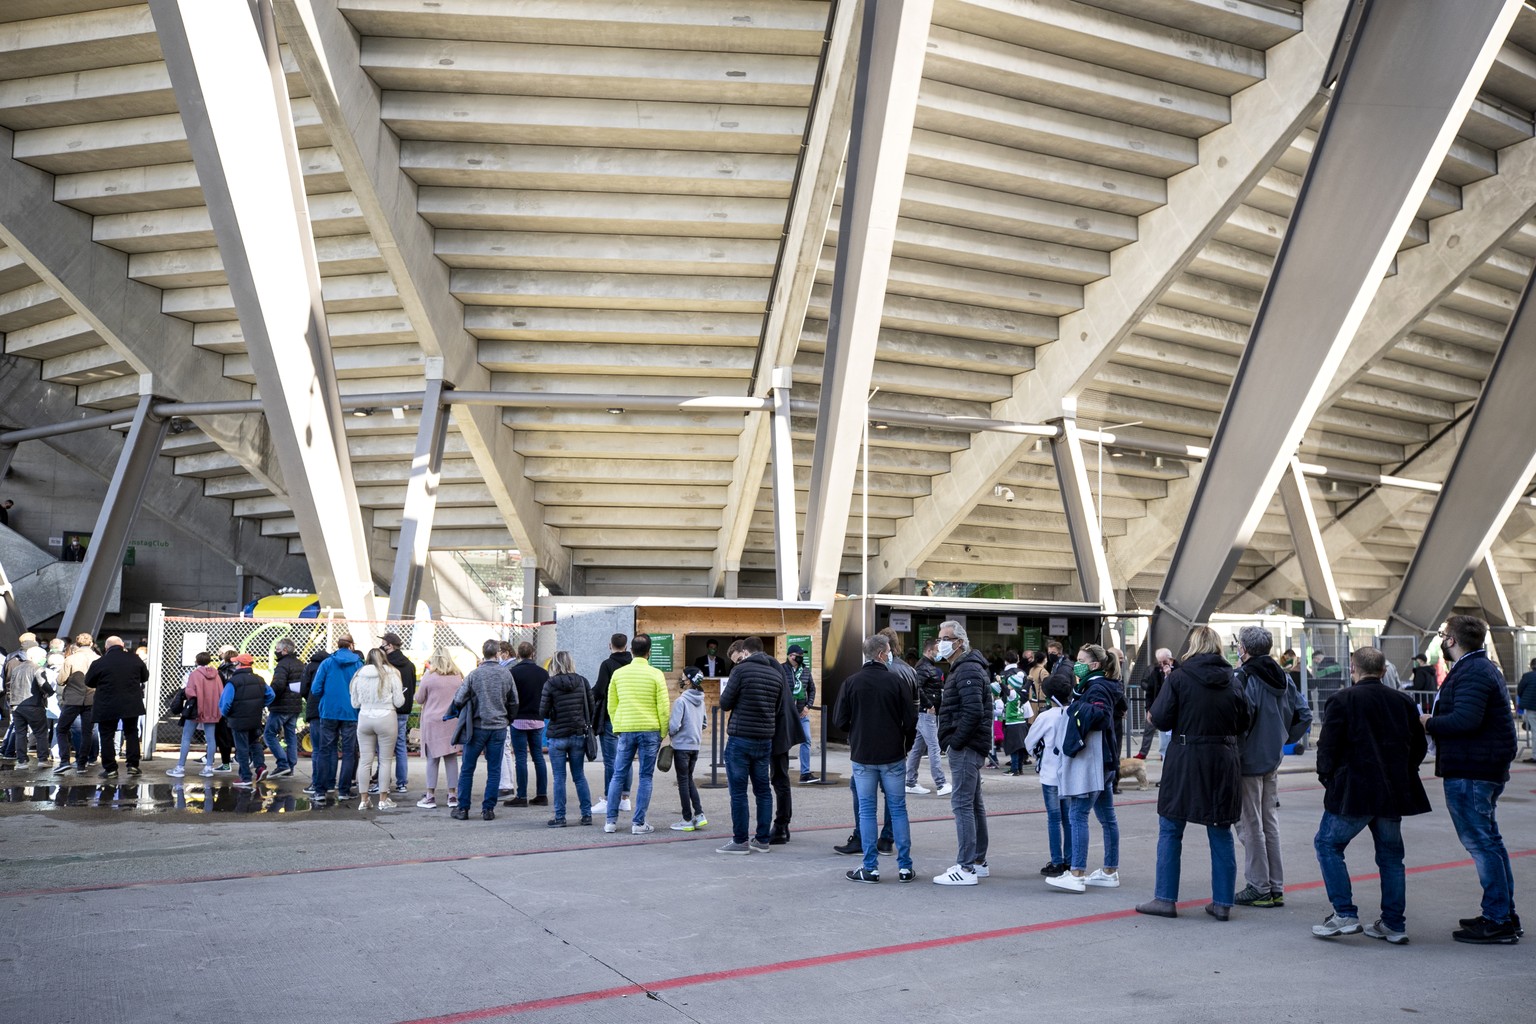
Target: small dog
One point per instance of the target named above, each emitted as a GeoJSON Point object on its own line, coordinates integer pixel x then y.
{"type": "Point", "coordinates": [1133, 768]}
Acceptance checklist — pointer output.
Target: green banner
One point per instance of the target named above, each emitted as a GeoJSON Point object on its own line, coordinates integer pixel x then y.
{"type": "Point", "coordinates": [1032, 638]}
{"type": "Point", "coordinates": [661, 651]}
{"type": "Point", "coordinates": [805, 645]}
{"type": "Point", "coordinates": [924, 634]}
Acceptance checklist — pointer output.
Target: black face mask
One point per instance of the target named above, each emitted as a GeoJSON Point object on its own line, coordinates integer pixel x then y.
{"type": "Point", "coordinates": [1445, 652]}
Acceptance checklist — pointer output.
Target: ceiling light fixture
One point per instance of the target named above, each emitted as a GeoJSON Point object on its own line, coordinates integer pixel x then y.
{"type": "Point", "coordinates": [361, 413]}
{"type": "Point", "coordinates": [616, 410]}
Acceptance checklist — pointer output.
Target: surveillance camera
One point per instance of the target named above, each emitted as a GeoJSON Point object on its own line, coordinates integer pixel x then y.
{"type": "Point", "coordinates": [1006, 493]}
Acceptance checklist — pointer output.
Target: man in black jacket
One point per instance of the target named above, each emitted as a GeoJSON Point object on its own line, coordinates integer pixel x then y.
{"type": "Point", "coordinates": [283, 713]}
{"type": "Point", "coordinates": [930, 691]}
{"type": "Point", "coordinates": [1474, 736]}
{"type": "Point", "coordinates": [1368, 762]}
{"type": "Point", "coordinates": [875, 711]}
{"type": "Point", "coordinates": [618, 657]}
{"type": "Point", "coordinates": [118, 678]}
{"type": "Point", "coordinates": [753, 694]}
{"type": "Point", "coordinates": [965, 730]}
{"type": "Point", "coordinates": [1525, 706]}
{"type": "Point", "coordinates": [391, 643]}
{"type": "Point", "coordinates": [788, 731]}
{"type": "Point", "coordinates": [802, 686]}
{"type": "Point", "coordinates": [528, 729]}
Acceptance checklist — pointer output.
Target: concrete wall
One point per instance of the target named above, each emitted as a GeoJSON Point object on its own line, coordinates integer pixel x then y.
{"type": "Point", "coordinates": [54, 496]}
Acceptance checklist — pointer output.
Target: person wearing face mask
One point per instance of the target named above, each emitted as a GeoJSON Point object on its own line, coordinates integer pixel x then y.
{"type": "Point", "coordinates": [803, 688]}
{"type": "Point", "coordinates": [1091, 748]}
{"type": "Point", "coordinates": [1474, 736]}
{"type": "Point", "coordinates": [1162, 666]}
{"type": "Point", "coordinates": [965, 730]}
{"type": "Point", "coordinates": [875, 710]}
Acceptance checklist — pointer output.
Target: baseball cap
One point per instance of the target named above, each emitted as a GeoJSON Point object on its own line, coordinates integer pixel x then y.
{"type": "Point", "coordinates": [244, 659]}
{"type": "Point", "coordinates": [795, 649]}
{"type": "Point", "coordinates": [393, 639]}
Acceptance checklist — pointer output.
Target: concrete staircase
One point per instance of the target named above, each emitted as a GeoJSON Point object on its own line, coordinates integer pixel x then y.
{"type": "Point", "coordinates": [36, 585]}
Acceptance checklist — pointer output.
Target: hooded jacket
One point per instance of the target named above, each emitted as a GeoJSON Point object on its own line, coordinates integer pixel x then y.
{"type": "Point", "coordinates": [319, 656]}
{"type": "Point", "coordinates": [1473, 730]}
{"type": "Point", "coordinates": [1204, 708]}
{"type": "Point", "coordinates": [333, 686]}
{"type": "Point", "coordinates": [752, 693]}
{"type": "Point", "coordinates": [1369, 753]}
{"type": "Point", "coordinates": [287, 680]}
{"type": "Point", "coordinates": [566, 705]}
{"type": "Point", "coordinates": [1273, 703]}
{"type": "Point", "coordinates": [605, 671]}
{"type": "Point", "coordinates": [407, 669]}
{"type": "Point", "coordinates": [204, 686]}
{"type": "Point", "coordinates": [686, 726]}
{"type": "Point", "coordinates": [965, 711]}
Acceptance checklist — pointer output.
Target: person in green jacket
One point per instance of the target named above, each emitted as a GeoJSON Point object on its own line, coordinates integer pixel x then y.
{"type": "Point", "coordinates": [638, 709]}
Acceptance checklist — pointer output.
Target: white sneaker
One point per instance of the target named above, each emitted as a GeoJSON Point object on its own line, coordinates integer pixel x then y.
{"type": "Point", "coordinates": [610, 827]}
{"type": "Point", "coordinates": [700, 821]}
{"type": "Point", "coordinates": [946, 789]}
{"type": "Point", "coordinates": [624, 804]}
{"type": "Point", "coordinates": [176, 771]}
{"type": "Point", "coordinates": [386, 804]}
{"type": "Point", "coordinates": [1069, 882]}
{"type": "Point", "coordinates": [918, 790]}
{"type": "Point", "coordinates": [981, 869]}
{"type": "Point", "coordinates": [427, 802]}
{"type": "Point", "coordinates": [956, 875]}
{"type": "Point", "coordinates": [601, 807]}
{"type": "Point", "coordinates": [206, 772]}
{"type": "Point", "coordinates": [645, 828]}
{"type": "Point", "coordinates": [685, 825]}
{"type": "Point", "coordinates": [1103, 879]}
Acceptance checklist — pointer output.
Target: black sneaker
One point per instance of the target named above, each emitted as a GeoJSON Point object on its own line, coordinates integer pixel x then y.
{"type": "Point", "coordinates": [886, 846]}
{"type": "Point", "coordinates": [539, 801]}
{"type": "Point", "coordinates": [517, 801]}
{"type": "Point", "coordinates": [1250, 895]}
{"type": "Point", "coordinates": [1055, 870]}
{"type": "Point", "coordinates": [1486, 933]}
{"type": "Point", "coordinates": [906, 875]}
{"type": "Point", "coordinates": [809, 777]}
{"type": "Point", "coordinates": [109, 773]}
{"type": "Point", "coordinates": [555, 823]}
{"type": "Point", "coordinates": [133, 769]}
{"type": "Point", "coordinates": [863, 875]}
{"type": "Point", "coordinates": [1514, 919]}
{"type": "Point", "coordinates": [779, 837]}
{"type": "Point", "coordinates": [852, 846]}
{"type": "Point", "coordinates": [459, 814]}
{"type": "Point", "coordinates": [488, 815]}
{"type": "Point", "coordinates": [586, 819]}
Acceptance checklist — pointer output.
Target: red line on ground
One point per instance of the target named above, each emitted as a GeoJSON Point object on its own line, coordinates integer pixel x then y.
{"type": "Point", "coordinates": [758, 970]}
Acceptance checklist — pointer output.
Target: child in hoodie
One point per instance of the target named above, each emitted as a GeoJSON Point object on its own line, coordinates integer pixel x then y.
{"type": "Point", "coordinates": [686, 727]}
{"type": "Point", "coordinates": [1045, 739]}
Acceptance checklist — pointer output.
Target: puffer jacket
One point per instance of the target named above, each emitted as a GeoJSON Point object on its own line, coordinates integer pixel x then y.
{"type": "Point", "coordinates": [752, 694]}
{"type": "Point", "coordinates": [930, 685]}
{"type": "Point", "coordinates": [965, 711]}
{"type": "Point", "coordinates": [1472, 727]}
{"type": "Point", "coordinates": [1204, 708]}
{"type": "Point", "coordinates": [566, 705]}
{"type": "Point", "coordinates": [287, 674]}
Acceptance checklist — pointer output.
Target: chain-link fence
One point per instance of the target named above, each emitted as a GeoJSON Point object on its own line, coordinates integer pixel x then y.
{"type": "Point", "coordinates": [175, 642]}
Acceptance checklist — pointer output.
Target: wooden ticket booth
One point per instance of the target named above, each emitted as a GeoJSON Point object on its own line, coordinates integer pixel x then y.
{"type": "Point", "coordinates": [680, 630]}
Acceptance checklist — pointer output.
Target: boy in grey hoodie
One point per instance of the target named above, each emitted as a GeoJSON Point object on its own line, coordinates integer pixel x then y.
{"type": "Point", "coordinates": [686, 728]}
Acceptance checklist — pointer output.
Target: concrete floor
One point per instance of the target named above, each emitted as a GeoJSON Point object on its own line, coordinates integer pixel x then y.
{"type": "Point", "coordinates": [169, 908]}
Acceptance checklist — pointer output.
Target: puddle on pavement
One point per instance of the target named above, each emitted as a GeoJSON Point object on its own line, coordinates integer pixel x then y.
{"type": "Point", "coordinates": [156, 798]}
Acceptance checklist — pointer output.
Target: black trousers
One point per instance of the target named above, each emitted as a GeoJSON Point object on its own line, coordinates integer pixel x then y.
{"type": "Point", "coordinates": [67, 715]}
{"type": "Point", "coordinates": [683, 762]}
{"type": "Point", "coordinates": [34, 719]}
{"type": "Point", "coordinates": [783, 804]}
{"type": "Point", "coordinates": [106, 728]}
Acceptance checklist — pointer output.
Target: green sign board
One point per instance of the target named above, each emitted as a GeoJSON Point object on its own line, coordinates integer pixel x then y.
{"type": "Point", "coordinates": [805, 645]}
{"type": "Point", "coordinates": [924, 634]}
{"type": "Point", "coordinates": [1032, 638]}
{"type": "Point", "coordinates": [661, 651]}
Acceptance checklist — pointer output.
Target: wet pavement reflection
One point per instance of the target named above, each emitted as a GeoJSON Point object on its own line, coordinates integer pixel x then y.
{"type": "Point", "coordinates": [157, 797]}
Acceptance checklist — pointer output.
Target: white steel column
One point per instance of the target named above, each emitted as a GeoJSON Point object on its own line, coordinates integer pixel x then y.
{"type": "Point", "coordinates": [1408, 79]}
{"type": "Point", "coordinates": [1502, 621]}
{"type": "Point", "coordinates": [1082, 519]}
{"type": "Point", "coordinates": [1490, 473]}
{"type": "Point", "coordinates": [892, 43]}
{"type": "Point", "coordinates": [420, 502]}
{"type": "Point", "coordinates": [104, 558]}
{"type": "Point", "coordinates": [1308, 537]}
{"type": "Point", "coordinates": [787, 555]}
{"type": "Point", "coordinates": [228, 78]}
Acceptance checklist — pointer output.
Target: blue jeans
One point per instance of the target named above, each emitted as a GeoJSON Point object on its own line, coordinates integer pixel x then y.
{"type": "Point", "coordinates": [1472, 804]}
{"type": "Point", "coordinates": [524, 742]}
{"type": "Point", "coordinates": [867, 780]}
{"type": "Point", "coordinates": [1059, 824]}
{"type": "Point", "coordinates": [248, 752]}
{"type": "Point", "coordinates": [1334, 833]}
{"type": "Point", "coordinates": [1170, 848]}
{"type": "Point", "coordinates": [572, 749]}
{"type": "Point", "coordinates": [491, 743]}
{"type": "Point", "coordinates": [281, 728]}
{"type": "Point", "coordinates": [402, 768]}
{"type": "Point", "coordinates": [188, 730]}
{"type": "Point", "coordinates": [335, 733]}
{"type": "Point", "coordinates": [749, 759]}
{"type": "Point", "coordinates": [1103, 805]}
{"type": "Point", "coordinates": [886, 832]}
{"type": "Point", "coordinates": [805, 748]}
{"type": "Point", "coordinates": [647, 744]}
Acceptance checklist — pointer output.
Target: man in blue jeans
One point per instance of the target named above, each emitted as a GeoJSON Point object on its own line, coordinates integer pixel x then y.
{"type": "Point", "coordinates": [639, 709]}
{"type": "Point", "coordinates": [1368, 757]}
{"type": "Point", "coordinates": [752, 693]}
{"type": "Point", "coordinates": [332, 688]}
{"type": "Point", "coordinates": [391, 643]}
{"type": "Point", "coordinates": [1474, 736]}
{"type": "Point", "coordinates": [802, 686]}
{"type": "Point", "coordinates": [486, 693]}
{"type": "Point", "coordinates": [880, 719]}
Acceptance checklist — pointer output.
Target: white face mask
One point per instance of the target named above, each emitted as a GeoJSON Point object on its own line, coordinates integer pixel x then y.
{"type": "Point", "coordinates": [946, 648]}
